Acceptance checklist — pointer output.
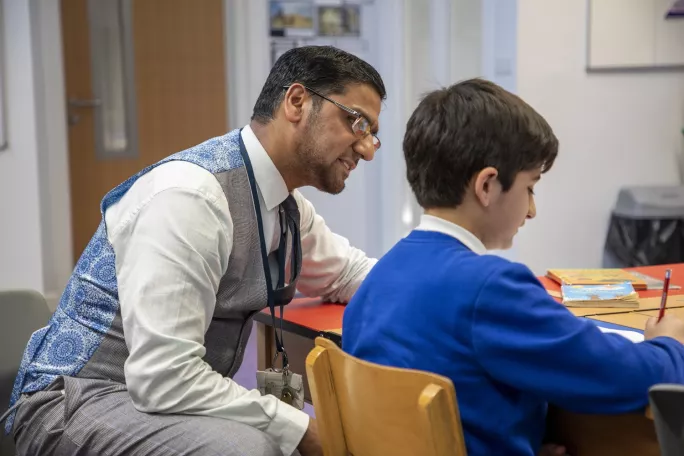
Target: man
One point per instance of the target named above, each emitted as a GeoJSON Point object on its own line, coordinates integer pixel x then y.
{"type": "Point", "coordinates": [139, 355]}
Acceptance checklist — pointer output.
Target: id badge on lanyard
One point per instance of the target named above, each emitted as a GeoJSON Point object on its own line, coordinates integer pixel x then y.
{"type": "Point", "coordinates": [279, 382]}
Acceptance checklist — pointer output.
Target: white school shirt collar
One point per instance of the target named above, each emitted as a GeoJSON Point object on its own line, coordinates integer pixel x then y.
{"type": "Point", "coordinates": [439, 225]}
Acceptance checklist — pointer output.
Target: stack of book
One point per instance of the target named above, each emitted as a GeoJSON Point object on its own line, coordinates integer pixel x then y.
{"type": "Point", "coordinates": [599, 287]}
{"type": "Point", "coordinates": [597, 277]}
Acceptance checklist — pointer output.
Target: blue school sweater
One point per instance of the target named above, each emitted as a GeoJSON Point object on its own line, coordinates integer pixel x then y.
{"type": "Point", "coordinates": [488, 324]}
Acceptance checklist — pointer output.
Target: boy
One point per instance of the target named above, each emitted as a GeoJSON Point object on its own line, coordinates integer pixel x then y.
{"type": "Point", "coordinates": [437, 302]}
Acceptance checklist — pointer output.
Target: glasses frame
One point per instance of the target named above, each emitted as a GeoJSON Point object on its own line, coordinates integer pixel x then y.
{"type": "Point", "coordinates": [356, 128]}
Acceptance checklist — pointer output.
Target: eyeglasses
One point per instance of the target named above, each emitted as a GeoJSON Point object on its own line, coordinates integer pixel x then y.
{"type": "Point", "coordinates": [361, 126]}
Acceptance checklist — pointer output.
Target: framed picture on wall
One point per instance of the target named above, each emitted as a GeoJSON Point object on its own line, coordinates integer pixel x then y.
{"type": "Point", "coordinates": [342, 20]}
{"type": "Point", "coordinates": [291, 19]}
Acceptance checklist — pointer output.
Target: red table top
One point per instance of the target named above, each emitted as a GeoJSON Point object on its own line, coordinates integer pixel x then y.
{"type": "Point", "coordinates": [312, 314]}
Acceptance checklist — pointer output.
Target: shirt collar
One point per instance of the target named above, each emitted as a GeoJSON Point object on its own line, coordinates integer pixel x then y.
{"type": "Point", "coordinates": [432, 223]}
{"type": "Point", "coordinates": [268, 179]}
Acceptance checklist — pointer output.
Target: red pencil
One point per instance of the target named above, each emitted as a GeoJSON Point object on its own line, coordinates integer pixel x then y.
{"type": "Point", "coordinates": [666, 287]}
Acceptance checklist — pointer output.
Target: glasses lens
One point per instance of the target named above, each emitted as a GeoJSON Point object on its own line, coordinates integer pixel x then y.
{"type": "Point", "coordinates": [361, 127]}
{"type": "Point", "coordinates": [376, 142]}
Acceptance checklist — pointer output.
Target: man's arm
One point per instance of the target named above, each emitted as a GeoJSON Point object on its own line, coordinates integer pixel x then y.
{"type": "Point", "coordinates": [331, 267]}
{"type": "Point", "coordinates": [525, 339]}
{"type": "Point", "coordinates": [170, 256]}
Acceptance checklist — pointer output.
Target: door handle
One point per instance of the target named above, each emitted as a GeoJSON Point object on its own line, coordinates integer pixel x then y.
{"type": "Point", "coordinates": [74, 118]}
{"type": "Point", "coordinates": [80, 103]}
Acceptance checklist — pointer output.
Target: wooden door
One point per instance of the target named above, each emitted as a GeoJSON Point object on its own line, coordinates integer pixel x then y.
{"type": "Point", "coordinates": [180, 86]}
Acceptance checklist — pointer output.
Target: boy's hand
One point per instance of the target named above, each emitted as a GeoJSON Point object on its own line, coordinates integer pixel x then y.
{"type": "Point", "coordinates": [310, 444]}
{"type": "Point", "coordinates": [669, 326]}
{"type": "Point", "coordinates": [551, 449]}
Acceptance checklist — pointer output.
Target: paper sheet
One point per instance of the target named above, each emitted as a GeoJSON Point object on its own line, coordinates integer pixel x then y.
{"type": "Point", "coordinates": [631, 335]}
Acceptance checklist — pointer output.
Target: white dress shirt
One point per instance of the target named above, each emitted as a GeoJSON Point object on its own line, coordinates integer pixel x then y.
{"type": "Point", "coordinates": [432, 223]}
{"type": "Point", "coordinates": [172, 234]}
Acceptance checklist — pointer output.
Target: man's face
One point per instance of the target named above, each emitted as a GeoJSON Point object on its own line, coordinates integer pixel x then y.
{"type": "Point", "coordinates": [329, 149]}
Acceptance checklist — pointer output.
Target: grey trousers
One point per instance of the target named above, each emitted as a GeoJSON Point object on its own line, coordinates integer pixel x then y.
{"type": "Point", "coordinates": [82, 417]}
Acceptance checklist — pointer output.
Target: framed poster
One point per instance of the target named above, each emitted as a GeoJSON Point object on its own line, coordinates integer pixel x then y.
{"type": "Point", "coordinates": [291, 18]}
{"type": "Point", "coordinates": [342, 20]}
{"type": "Point", "coordinates": [634, 35]}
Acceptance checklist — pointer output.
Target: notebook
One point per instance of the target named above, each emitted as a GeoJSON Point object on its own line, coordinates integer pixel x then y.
{"type": "Point", "coordinates": [611, 295]}
{"type": "Point", "coordinates": [595, 277]}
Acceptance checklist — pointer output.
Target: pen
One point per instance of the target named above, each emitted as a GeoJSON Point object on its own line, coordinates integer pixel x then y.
{"type": "Point", "coordinates": [666, 287]}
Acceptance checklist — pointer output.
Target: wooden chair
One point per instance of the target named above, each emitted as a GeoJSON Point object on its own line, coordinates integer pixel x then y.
{"type": "Point", "coordinates": [365, 409]}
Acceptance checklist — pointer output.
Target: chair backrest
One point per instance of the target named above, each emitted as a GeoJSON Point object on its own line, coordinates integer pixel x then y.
{"type": "Point", "coordinates": [367, 409]}
{"type": "Point", "coordinates": [667, 407]}
{"type": "Point", "coordinates": [21, 313]}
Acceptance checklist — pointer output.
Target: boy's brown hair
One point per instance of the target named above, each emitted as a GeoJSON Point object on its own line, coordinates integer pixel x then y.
{"type": "Point", "coordinates": [456, 132]}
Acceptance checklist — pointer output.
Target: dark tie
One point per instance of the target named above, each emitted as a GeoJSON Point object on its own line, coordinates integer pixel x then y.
{"type": "Point", "coordinates": [289, 221]}
{"type": "Point", "coordinates": [288, 215]}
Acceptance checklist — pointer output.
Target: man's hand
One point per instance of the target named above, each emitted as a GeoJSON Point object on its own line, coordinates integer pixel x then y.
{"type": "Point", "coordinates": [669, 326]}
{"type": "Point", "coordinates": [551, 449]}
{"type": "Point", "coordinates": [311, 444]}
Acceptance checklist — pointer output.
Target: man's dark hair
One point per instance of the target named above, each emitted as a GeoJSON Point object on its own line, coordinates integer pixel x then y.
{"type": "Point", "coordinates": [456, 132]}
{"type": "Point", "coordinates": [325, 69]}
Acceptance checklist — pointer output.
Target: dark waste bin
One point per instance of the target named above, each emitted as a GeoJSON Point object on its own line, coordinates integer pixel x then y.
{"type": "Point", "coordinates": [646, 228]}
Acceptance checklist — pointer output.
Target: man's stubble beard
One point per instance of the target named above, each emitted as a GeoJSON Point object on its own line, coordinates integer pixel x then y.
{"type": "Point", "coordinates": [321, 175]}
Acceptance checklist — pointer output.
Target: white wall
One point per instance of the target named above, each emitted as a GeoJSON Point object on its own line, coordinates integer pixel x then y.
{"type": "Point", "coordinates": [394, 63]}
{"type": "Point", "coordinates": [35, 230]}
{"type": "Point", "coordinates": [615, 130]}
{"type": "Point", "coordinates": [52, 152]}
{"type": "Point", "coordinates": [21, 261]}
{"type": "Point", "coordinates": [500, 42]}
{"type": "Point", "coordinates": [467, 43]}
{"type": "Point", "coordinates": [247, 56]}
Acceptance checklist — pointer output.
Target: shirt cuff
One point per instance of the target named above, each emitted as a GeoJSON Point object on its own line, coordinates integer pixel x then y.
{"type": "Point", "coordinates": [287, 427]}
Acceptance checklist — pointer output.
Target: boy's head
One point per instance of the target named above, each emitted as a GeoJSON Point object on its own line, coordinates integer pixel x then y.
{"type": "Point", "coordinates": [474, 151]}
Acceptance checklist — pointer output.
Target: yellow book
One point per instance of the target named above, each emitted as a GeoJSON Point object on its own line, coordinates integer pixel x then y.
{"type": "Point", "coordinates": [595, 277]}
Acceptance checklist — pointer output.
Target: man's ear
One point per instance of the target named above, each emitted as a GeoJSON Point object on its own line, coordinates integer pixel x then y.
{"type": "Point", "coordinates": [293, 103]}
{"type": "Point", "coordinates": [486, 186]}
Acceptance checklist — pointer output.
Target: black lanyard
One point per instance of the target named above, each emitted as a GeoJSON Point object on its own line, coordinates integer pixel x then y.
{"type": "Point", "coordinates": [281, 294]}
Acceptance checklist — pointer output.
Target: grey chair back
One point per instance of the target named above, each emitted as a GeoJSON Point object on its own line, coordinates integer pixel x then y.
{"type": "Point", "coordinates": [21, 313]}
{"type": "Point", "coordinates": [667, 405]}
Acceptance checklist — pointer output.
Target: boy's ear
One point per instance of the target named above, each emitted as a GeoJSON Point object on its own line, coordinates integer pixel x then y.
{"type": "Point", "coordinates": [486, 186]}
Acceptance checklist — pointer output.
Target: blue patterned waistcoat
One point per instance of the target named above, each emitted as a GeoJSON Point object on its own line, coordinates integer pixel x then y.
{"type": "Point", "coordinates": [84, 337]}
